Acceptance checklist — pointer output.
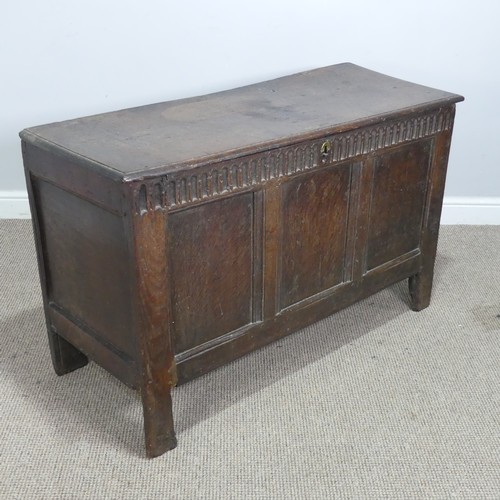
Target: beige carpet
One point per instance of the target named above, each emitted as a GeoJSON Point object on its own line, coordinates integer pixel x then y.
{"type": "Point", "coordinates": [374, 402]}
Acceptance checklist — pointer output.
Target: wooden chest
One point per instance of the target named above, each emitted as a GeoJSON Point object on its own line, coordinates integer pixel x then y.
{"type": "Point", "coordinates": [175, 237]}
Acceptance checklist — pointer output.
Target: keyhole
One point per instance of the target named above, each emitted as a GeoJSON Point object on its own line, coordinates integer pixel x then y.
{"type": "Point", "coordinates": [325, 150]}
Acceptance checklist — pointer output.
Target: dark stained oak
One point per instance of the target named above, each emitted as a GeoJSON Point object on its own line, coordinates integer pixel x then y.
{"type": "Point", "coordinates": [176, 237]}
{"type": "Point", "coordinates": [314, 208]}
{"type": "Point", "coordinates": [152, 313]}
{"type": "Point", "coordinates": [398, 197]}
{"type": "Point", "coordinates": [96, 271]}
{"type": "Point", "coordinates": [211, 260]}
{"type": "Point", "coordinates": [420, 284]}
{"type": "Point", "coordinates": [165, 135]}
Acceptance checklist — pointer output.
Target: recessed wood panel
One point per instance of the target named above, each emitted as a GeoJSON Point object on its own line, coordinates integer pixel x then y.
{"type": "Point", "coordinates": [314, 232]}
{"type": "Point", "coordinates": [88, 267]}
{"type": "Point", "coordinates": [211, 259]}
{"type": "Point", "coordinates": [398, 199]}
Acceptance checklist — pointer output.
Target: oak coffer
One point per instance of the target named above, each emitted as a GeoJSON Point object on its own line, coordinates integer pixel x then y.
{"type": "Point", "coordinates": [175, 237]}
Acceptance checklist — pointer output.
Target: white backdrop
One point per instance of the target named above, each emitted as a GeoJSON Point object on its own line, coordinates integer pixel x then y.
{"type": "Point", "coordinates": [64, 59]}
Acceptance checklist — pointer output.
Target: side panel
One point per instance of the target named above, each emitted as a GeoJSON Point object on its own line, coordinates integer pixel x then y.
{"type": "Point", "coordinates": [87, 265]}
{"type": "Point", "coordinates": [81, 178]}
{"type": "Point", "coordinates": [211, 267]}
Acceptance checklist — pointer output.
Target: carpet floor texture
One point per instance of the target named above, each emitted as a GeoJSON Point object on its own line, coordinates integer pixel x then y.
{"type": "Point", "coordinates": [376, 401]}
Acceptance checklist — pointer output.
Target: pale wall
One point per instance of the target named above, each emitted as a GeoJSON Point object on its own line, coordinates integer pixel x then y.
{"type": "Point", "coordinates": [64, 59]}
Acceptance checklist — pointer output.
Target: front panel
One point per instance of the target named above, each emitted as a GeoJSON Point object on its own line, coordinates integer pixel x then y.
{"type": "Point", "coordinates": [211, 269]}
{"type": "Point", "coordinates": [314, 216]}
{"type": "Point", "coordinates": [398, 197]}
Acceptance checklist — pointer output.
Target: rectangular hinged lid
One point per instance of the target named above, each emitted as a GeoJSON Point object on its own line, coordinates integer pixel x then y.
{"type": "Point", "coordinates": [172, 135]}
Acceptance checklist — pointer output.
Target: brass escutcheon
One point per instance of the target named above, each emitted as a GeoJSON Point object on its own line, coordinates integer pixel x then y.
{"type": "Point", "coordinates": [325, 150]}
